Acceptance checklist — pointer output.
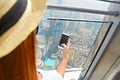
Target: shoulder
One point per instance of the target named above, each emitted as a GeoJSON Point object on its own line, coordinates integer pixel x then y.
{"type": "Point", "coordinates": [50, 75]}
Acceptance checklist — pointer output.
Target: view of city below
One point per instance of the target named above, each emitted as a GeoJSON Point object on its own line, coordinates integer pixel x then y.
{"type": "Point", "coordinates": [82, 37]}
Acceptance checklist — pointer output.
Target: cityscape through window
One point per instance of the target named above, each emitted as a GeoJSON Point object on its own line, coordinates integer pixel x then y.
{"type": "Point", "coordinates": [86, 33]}
{"type": "Point", "coordinates": [83, 35]}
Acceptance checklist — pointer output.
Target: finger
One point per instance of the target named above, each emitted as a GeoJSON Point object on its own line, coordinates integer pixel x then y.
{"type": "Point", "coordinates": [63, 45]}
{"type": "Point", "coordinates": [68, 43]}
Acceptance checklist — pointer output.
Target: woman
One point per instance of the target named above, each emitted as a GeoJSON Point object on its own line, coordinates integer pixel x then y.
{"type": "Point", "coordinates": [18, 20]}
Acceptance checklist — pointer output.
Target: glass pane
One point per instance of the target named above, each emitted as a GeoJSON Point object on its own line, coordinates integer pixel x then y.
{"type": "Point", "coordinates": [83, 37]}
{"type": "Point", "coordinates": [90, 4]}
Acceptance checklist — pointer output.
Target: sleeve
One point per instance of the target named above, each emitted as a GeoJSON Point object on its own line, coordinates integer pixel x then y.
{"type": "Point", "coordinates": [50, 75]}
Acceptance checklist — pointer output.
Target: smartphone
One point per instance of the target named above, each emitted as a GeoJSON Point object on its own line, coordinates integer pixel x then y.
{"type": "Point", "coordinates": [63, 40]}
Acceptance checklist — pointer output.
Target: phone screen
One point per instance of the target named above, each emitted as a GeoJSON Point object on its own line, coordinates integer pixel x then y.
{"type": "Point", "coordinates": [64, 39]}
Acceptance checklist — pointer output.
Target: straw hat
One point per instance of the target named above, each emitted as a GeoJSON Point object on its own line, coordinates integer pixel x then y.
{"type": "Point", "coordinates": [18, 18]}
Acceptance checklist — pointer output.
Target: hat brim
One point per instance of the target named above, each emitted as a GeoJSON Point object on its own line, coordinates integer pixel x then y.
{"type": "Point", "coordinates": [26, 24]}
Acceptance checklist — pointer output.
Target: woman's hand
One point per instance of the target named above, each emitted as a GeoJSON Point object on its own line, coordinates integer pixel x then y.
{"type": "Point", "coordinates": [66, 50]}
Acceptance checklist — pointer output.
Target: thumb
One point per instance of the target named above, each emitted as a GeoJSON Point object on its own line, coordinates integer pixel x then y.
{"type": "Point", "coordinates": [63, 45]}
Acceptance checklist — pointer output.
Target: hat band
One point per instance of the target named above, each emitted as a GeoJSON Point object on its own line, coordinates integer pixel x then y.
{"type": "Point", "coordinates": [12, 16]}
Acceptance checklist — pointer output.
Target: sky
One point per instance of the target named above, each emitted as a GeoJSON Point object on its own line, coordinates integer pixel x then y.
{"type": "Point", "coordinates": [92, 4]}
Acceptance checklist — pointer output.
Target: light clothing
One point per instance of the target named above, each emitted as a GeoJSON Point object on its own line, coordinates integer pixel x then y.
{"type": "Point", "coordinates": [50, 75]}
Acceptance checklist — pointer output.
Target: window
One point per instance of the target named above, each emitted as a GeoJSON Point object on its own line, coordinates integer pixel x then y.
{"type": "Point", "coordinates": [86, 31]}
{"type": "Point", "coordinates": [83, 36]}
